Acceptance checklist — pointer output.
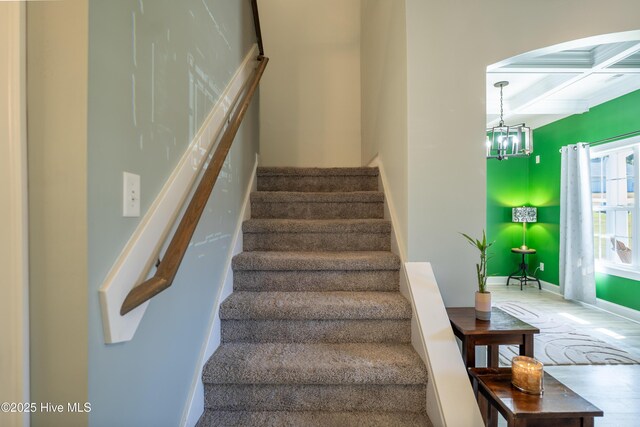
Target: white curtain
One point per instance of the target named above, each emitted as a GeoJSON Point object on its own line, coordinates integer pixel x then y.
{"type": "Point", "coordinates": [577, 278]}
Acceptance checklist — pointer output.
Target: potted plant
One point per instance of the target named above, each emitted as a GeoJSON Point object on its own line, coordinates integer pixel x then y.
{"type": "Point", "coordinates": [483, 297]}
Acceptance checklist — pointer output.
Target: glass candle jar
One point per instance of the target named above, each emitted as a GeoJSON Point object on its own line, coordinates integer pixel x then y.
{"type": "Point", "coordinates": [527, 374]}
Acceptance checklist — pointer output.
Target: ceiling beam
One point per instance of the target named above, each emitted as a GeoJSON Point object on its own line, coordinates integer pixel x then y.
{"type": "Point", "coordinates": [627, 36]}
{"type": "Point", "coordinates": [549, 106]}
{"type": "Point", "coordinates": [560, 70]}
{"type": "Point", "coordinates": [615, 90]}
{"type": "Point", "coordinates": [557, 82]}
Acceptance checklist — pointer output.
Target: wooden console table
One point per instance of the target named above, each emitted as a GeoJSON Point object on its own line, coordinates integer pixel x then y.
{"type": "Point", "coordinates": [558, 406]}
{"type": "Point", "coordinates": [502, 329]}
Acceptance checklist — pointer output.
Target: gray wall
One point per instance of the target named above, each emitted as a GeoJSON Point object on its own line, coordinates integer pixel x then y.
{"type": "Point", "coordinates": [156, 68]}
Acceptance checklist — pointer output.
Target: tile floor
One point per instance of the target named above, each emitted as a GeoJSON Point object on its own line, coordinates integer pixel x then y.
{"type": "Point", "coordinates": [613, 388]}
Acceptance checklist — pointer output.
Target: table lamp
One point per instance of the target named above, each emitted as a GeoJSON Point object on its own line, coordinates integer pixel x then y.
{"type": "Point", "coordinates": [524, 215]}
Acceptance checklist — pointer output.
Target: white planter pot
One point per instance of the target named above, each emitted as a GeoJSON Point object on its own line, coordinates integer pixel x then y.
{"type": "Point", "coordinates": [483, 305]}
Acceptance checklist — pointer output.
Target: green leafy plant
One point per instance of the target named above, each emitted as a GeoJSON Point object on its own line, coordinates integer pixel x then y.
{"type": "Point", "coordinates": [481, 268]}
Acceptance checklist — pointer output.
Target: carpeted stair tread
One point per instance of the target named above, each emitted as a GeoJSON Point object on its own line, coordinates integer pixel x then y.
{"type": "Point", "coordinates": [335, 226]}
{"type": "Point", "coordinates": [312, 419]}
{"type": "Point", "coordinates": [317, 197]}
{"type": "Point", "coordinates": [285, 363]}
{"type": "Point", "coordinates": [316, 332]}
{"type": "Point", "coordinates": [322, 235]}
{"type": "Point", "coordinates": [293, 171]}
{"type": "Point", "coordinates": [331, 331]}
{"type": "Point", "coordinates": [317, 205]}
{"type": "Point", "coordinates": [317, 397]}
{"type": "Point", "coordinates": [315, 261]}
{"type": "Point", "coordinates": [318, 180]}
{"type": "Point", "coordinates": [315, 305]}
{"type": "Point", "coordinates": [316, 281]}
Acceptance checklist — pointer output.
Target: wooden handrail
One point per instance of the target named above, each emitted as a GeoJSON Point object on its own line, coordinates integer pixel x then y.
{"type": "Point", "coordinates": [168, 268]}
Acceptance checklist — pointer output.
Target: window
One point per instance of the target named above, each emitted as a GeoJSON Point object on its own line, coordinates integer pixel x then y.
{"type": "Point", "coordinates": [614, 172]}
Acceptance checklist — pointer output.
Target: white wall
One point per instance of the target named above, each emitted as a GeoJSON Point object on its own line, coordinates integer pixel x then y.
{"type": "Point", "coordinates": [57, 35]}
{"type": "Point", "coordinates": [449, 46]}
{"type": "Point", "coordinates": [14, 326]}
{"type": "Point", "coordinates": [384, 98]}
{"type": "Point", "coordinates": [310, 94]}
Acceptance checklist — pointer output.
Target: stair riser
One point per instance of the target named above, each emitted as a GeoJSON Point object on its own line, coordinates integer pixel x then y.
{"type": "Point", "coordinates": [324, 242]}
{"type": "Point", "coordinates": [327, 280]}
{"type": "Point", "coordinates": [318, 183]}
{"type": "Point", "coordinates": [212, 418]}
{"type": "Point", "coordinates": [312, 397]}
{"type": "Point", "coordinates": [302, 210]}
{"type": "Point", "coordinates": [325, 331]}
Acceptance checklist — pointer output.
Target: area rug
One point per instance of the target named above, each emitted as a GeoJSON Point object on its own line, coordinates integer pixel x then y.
{"type": "Point", "coordinates": [561, 344]}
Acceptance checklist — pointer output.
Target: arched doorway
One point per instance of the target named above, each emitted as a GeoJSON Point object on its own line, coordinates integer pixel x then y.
{"type": "Point", "coordinates": [586, 90]}
{"type": "Point", "coordinates": [546, 88]}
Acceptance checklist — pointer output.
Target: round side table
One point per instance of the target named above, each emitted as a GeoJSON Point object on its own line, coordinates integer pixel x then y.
{"type": "Point", "coordinates": [521, 274]}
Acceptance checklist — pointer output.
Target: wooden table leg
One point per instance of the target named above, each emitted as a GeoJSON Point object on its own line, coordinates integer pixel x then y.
{"type": "Point", "coordinates": [526, 349]}
{"type": "Point", "coordinates": [469, 352]}
{"type": "Point", "coordinates": [493, 416]}
{"type": "Point", "coordinates": [483, 405]}
{"type": "Point", "coordinates": [493, 356]}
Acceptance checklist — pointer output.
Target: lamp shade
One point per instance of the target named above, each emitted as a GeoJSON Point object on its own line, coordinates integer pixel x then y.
{"type": "Point", "coordinates": [524, 214]}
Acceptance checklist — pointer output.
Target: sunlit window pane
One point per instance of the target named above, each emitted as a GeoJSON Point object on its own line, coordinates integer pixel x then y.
{"type": "Point", "coordinates": [613, 201]}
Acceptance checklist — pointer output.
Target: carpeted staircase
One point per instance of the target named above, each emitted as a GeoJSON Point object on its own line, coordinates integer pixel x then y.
{"type": "Point", "coordinates": [316, 332]}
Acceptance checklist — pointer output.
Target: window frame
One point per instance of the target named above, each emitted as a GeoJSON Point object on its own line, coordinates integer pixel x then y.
{"type": "Point", "coordinates": [631, 271]}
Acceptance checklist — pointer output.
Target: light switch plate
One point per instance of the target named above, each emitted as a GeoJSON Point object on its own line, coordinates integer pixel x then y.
{"type": "Point", "coordinates": [538, 159]}
{"type": "Point", "coordinates": [130, 195]}
{"type": "Point", "coordinates": [542, 266]}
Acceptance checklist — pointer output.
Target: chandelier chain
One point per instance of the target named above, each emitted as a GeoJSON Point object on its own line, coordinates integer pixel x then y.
{"type": "Point", "coordinates": [501, 109]}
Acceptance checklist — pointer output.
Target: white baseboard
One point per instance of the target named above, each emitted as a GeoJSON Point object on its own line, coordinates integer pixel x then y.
{"type": "Point", "coordinates": [397, 243]}
{"type": "Point", "coordinates": [497, 281]}
{"type": "Point", "coordinates": [609, 307]}
{"type": "Point", "coordinates": [141, 251]}
{"type": "Point", "coordinates": [450, 397]}
{"type": "Point", "coordinates": [195, 401]}
{"type": "Point", "coordinates": [618, 310]}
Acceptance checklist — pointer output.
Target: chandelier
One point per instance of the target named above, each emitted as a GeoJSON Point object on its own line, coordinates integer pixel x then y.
{"type": "Point", "coordinates": [508, 141]}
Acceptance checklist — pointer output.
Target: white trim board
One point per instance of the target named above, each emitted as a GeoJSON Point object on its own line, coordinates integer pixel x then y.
{"type": "Point", "coordinates": [142, 249]}
{"type": "Point", "coordinates": [450, 396]}
{"type": "Point", "coordinates": [609, 307]}
{"type": "Point", "coordinates": [397, 244]}
{"type": "Point", "coordinates": [450, 399]}
{"type": "Point", "coordinates": [14, 217]}
{"type": "Point", "coordinates": [195, 401]}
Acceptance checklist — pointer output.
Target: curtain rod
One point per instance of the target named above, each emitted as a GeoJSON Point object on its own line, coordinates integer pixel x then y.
{"type": "Point", "coordinates": [611, 138]}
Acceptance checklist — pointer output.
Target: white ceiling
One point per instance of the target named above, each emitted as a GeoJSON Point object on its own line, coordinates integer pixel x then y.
{"type": "Point", "coordinates": [548, 86]}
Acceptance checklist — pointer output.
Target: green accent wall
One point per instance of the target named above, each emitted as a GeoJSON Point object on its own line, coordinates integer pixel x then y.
{"type": "Point", "coordinates": [507, 186]}
{"type": "Point", "coordinates": [538, 184]}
